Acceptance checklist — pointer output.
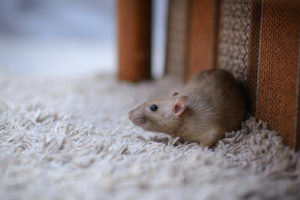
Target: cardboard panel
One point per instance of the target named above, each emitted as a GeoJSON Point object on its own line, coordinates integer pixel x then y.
{"type": "Point", "coordinates": [277, 71]}
{"type": "Point", "coordinates": [297, 127]}
{"type": "Point", "coordinates": [253, 53]}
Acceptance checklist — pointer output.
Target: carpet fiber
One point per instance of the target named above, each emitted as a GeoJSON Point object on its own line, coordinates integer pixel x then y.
{"type": "Point", "coordinates": [71, 139]}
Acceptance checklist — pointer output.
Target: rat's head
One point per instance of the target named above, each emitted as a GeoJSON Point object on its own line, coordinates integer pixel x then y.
{"type": "Point", "coordinates": [160, 115]}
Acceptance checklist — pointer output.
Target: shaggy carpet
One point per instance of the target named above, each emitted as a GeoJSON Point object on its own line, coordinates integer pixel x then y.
{"type": "Point", "coordinates": [71, 139]}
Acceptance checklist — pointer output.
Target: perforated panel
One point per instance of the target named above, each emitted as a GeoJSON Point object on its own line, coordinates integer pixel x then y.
{"type": "Point", "coordinates": [234, 37]}
{"type": "Point", "coordinates": [277, 72]}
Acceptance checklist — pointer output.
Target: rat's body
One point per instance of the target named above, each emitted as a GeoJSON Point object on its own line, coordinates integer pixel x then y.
{"type": "Point", "coordinates": [209, 105]}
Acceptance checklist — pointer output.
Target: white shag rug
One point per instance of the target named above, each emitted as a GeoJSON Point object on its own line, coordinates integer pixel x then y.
{"type": "Point", "coordinates": [71, 139]}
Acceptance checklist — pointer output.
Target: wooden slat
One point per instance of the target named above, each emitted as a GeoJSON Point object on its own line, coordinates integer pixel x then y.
{"type": "Point", "coordinates": [134, 39]}
{"type": "Point", "coordinates": [201, 37]}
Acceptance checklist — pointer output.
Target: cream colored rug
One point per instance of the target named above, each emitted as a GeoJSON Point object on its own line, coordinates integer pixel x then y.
{"type": "Point", "coordinates": [71, 139]}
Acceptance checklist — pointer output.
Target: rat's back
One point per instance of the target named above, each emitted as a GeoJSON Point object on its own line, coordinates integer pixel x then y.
{"type": "Point", "coordinates": [217, 105]}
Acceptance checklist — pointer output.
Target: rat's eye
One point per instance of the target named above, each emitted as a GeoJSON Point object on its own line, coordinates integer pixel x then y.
{"type": "Point", "coordinates": [153, 107]}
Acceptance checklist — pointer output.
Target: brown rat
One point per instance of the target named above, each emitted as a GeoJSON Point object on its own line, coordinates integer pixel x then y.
{"type": "Point", "coordinates": [209, 105]}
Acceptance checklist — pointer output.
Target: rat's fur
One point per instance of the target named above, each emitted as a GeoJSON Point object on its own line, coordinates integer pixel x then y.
{"type": "Point", "coordinates": [215, 105]}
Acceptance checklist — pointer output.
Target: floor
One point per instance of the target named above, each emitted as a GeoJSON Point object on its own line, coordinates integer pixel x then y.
{"type": "Point", "coordinates": [72, 139]}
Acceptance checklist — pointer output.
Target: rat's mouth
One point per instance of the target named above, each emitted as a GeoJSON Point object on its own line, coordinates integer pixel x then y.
{"type": "Point", "coordinates": [138, 121]}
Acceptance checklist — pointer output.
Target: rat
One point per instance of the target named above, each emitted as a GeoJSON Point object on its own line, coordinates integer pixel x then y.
{"type": "Point", "coordinates": [209, 105]}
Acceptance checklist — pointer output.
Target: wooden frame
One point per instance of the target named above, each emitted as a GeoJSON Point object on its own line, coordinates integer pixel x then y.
{"type": "Point", "coordinates": [202, 36]}
{"type": "Point", "coordinates": [134, 37]}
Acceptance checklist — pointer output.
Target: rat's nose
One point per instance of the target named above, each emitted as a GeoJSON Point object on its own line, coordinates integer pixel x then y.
{"type": "Point", "coordinates": [130, 116]}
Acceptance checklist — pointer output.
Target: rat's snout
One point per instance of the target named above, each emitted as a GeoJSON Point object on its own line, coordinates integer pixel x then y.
{"type": "Point", "coordinates": [136, 118]}
{"type": "Point", "coordinates": [130, 115]}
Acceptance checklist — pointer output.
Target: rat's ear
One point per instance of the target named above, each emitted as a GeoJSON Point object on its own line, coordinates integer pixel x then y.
{"type": "Point", "coordinates": [180, 105]}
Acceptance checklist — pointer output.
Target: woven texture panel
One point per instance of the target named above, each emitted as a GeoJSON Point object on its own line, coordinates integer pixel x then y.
{"type": "Point", "coordinates": [234, 37]}
{"type": "Point", "coordinates": [177, 37]}
{"type": "Point", "coordinates": [279, 42]}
